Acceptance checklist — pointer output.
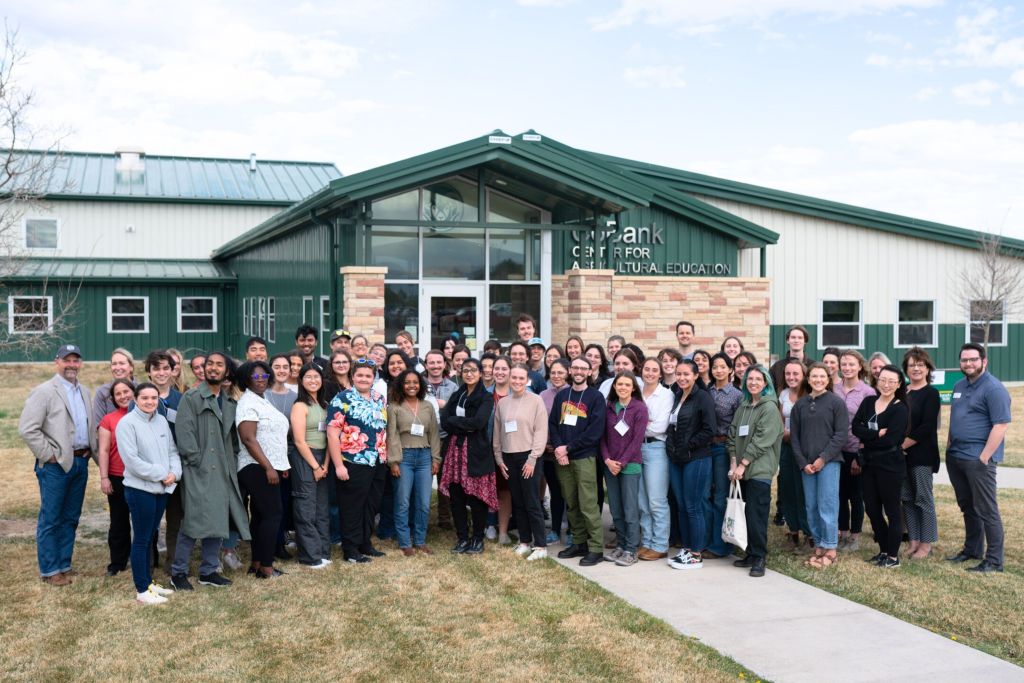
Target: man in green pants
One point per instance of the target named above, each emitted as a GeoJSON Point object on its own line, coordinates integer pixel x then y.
{"type": "Point", "coordinates": [575, 429]}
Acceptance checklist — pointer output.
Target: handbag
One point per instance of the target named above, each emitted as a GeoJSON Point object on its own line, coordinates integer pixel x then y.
{"type": "Point", "coordinates": [734, 526]}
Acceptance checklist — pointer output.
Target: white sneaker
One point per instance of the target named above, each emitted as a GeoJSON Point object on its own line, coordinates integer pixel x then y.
{"type": "Point", "coordinates": [160, 590]}
{"type": "Point", "coordinates": [318, 565]}
{"type": "Point", "coordinates": [537, 554]}
{"type": "Point", "coordinates": [229, 558]}
{"type": "Point", "coordinates": [326, 562]}
{"type": "Point", "coordinates": [504, 539]}
{"type": "Point", "coordinates": [684, 560]}
{"type": "Point", "coordinates": [491, 533]}
{"type": "Point", "coordinates": [148, 597]}
{"type": "Point", "coordinates": [522, 550]}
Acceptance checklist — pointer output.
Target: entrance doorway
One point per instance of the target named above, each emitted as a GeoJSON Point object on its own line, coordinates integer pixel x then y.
{"type": "Point", "coordinates": [453, 310]}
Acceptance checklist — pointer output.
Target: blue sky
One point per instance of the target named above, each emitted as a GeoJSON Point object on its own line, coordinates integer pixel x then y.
{"type": "Point", "coordinates": [910, 106]}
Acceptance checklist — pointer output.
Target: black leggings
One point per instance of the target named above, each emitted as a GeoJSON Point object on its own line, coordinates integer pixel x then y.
{"type": "Point", "coordinates": [460, 499]}
{"type": "Point", "coordinates": [882, 491]}
{"type": "Point", "coordinates": [851, 497]}
{"type": "Point", "coordinates": [557, 499]}
{"type": "Point", "coordinates": [264, 512]}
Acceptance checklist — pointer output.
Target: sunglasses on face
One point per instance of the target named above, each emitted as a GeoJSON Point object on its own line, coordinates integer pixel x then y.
{"type": "Point", "coordinates": [258, 377]}
{"type": "Point", "coordinates": [366, 361]}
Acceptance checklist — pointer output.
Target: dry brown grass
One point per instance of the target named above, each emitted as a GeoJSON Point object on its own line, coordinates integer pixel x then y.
{"type": "Point", "coordinates": [1014, 451]}
{"type": "Point", "coordinates": [426, 618]}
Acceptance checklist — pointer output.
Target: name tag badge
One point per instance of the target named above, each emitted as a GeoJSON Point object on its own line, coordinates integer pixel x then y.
{"type": "Point", "coordinates": [873, 426]}
{"type": "Point", "coordinates": [569, 419]}
{"type": "Point", "coordinates": [172, 415]}
{"type": "Point", "coordinates": [787, 424]}
{"type": "Point", "coordinates": [416, 430]}
{"type": "Point", "coordinates": [321, 426]}
{"type": "Point", "coordinates": [511, 426]}
{"type": "Point", "coordinates": [744, 430]}
{"type": "Point", "coordinates": [956, 394]}
{"type": "Point", "coordinates": [460, 411]}
{"type": "Point", "coordinates": [622, 428]}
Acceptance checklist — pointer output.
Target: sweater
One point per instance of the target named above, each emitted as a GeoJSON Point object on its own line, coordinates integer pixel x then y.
{"type": "Point", "coordinates": [147, 451]}
{"type": "Point", "coordinates": [882, 452]}
{"type": "Point", "coordinates": [759, 444]}
{"type": "Point", "coordinates": [400, 436]}
{"type": "Point", "coordinates": [624, 448]}
{"type": "Point", "coordinates": [531, 418]}
{"type": "Point", "coordinates": [853, 398]}
{"type": "Point", "coordinates": [588, 408]}
{"type": "Point", "coordinates": [818, 428]}
{"type": "Point", "coordinates": [924, 406]}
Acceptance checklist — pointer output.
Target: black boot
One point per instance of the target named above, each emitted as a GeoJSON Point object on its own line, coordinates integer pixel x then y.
{"type": "Point", "coordinates": [461, 547]}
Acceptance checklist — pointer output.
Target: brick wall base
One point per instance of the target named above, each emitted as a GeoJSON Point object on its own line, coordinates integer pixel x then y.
{"type": "Point", "coordinates": [363, 295]}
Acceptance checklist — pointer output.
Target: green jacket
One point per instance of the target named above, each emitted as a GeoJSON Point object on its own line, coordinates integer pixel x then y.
{"type": "Point", "coordinates": [760, 446]}
{"type": "Point", "coordinates": [208, 446]}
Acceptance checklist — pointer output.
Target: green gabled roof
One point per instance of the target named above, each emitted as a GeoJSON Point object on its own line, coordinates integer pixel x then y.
{"type": "Point", "coordinates": [95, 176]}
{"type": "Point", "coordinates": [568, 170]}
{"type": "Point", "coordinates": [123, 270]}
{"type": "Point", "coordinates": [697, 183]}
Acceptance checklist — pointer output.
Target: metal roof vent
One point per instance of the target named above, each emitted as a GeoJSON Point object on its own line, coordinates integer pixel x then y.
{"type": "Point", "coordinates": [131, 165]}
{"type": "Point", "coordinates": [252, 162]}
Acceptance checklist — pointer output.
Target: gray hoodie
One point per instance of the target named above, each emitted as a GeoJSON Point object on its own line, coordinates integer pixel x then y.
{"type": "Point", "coordinates": [148, 451]}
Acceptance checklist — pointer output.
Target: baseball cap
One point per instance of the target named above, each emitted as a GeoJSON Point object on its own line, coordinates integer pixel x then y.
{"type": "Point", "coordinates": [536, 341]}
{"type": "Point", "coordinates": [67, 350]}
{"type": "Point", "coordinates": [338, 334]}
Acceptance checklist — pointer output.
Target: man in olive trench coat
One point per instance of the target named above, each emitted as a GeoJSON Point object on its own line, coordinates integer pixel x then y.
{"type": "Point", "coordinates": [208, 445]}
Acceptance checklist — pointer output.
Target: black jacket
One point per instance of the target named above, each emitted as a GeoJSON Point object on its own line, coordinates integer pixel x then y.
{"type": "Point", "coordinates": [882, 452]}
{"type": "Point", "coordinates": [472, 428]}
{"type": "Point", "coordinates": [689, 437]}
{"type": "Point", "coordinates": [924, 424]}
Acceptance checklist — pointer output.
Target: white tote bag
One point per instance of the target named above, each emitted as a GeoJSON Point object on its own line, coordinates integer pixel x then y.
{"type": "Point", "coordinates": [734, 526]}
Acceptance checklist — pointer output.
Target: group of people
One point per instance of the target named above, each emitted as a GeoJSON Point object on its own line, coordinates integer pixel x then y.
{"type": "Point", "coordinates": [344, 449]}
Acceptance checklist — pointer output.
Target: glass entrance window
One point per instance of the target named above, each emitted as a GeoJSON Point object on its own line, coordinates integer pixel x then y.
{"type": "Point", "coordinates": [456, 253]}
{"type": "Point", "coordinates": [452, 317]}
{"type": "Point", "coordinates": [401, 310]}
{"type": "Point", "coordinates": [506, 303]}
{"type": "Point", "coordinates": [398, 248]}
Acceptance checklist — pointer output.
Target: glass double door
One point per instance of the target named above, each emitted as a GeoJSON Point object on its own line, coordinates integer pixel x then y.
{"type": "Point", "coordinates": [452, 311]}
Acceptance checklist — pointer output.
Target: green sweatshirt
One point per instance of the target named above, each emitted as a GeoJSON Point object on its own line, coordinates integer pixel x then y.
{"type": "Point", "coordinates": [759, 446]}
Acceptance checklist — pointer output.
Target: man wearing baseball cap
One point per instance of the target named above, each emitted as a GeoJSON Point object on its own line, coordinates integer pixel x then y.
{"type": "Point", "coordinates": [341, 340]}
{"type": "Point", "coordinates": [57, 428]}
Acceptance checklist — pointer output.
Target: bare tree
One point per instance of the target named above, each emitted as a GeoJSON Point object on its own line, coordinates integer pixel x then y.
{"type": "Point", "coordinates": [991, 288]}
{"type": "Point", "coordinates": [34, 311]}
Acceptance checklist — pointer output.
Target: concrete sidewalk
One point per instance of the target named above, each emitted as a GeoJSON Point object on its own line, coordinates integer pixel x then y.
{"type": "Point", "coordinates": [1006, 477]}
{"type": "Point", "coordinates": [786, 630]}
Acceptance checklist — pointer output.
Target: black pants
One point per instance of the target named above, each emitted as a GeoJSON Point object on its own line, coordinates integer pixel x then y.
{"type": "Point", "coordinates": [557, 500]}
{"type": "Point", "coordinates": [601, 469]}
{"type": "Point", "coordinates": [882, 492]}
{"type": "Point", "coordinates": [758, 495]}
{"type": "Point", "coordinates": [851, 497]}
{"type": "Point", "coordinates": [526, 505]}
{"type": "Point", "coordinates": [460, 499]}
{"type": "Point", "coordinates": [264, 512]}
{"type": "Point", "coordinates": [174, 514]}
{"type": "Point", "coordinates": [287, 518]}
{"type": "Point", "coordinates": [381, 500]}
{"type": "Point", "coordinates": [355, 508]}
{"type": "Point", "coordinates": [119, 535]}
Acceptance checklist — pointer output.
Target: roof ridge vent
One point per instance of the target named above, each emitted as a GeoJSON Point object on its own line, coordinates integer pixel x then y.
{"type": "Point", "coordinates": [131, 165]}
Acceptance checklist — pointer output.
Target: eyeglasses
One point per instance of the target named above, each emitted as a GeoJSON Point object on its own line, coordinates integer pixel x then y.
{"type": "Point", "coordinates": [469, 370]}
{"type": "Point", "coordinates": [340, 362]}
{"type": "Point", "coordinates": [916, 365]}
{"type": "Point", "coordinates": [971, 360]}
{"type": "Point", "coordinates": [887, 381]}
{"type": "Point", "coordinates": [366, 361]}
{"type": "Point", "coordinates": [259, 377]}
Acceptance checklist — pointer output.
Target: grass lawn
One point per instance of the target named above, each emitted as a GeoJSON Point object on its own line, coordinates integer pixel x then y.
{"type": "Point", "coordinates": [491, 617]}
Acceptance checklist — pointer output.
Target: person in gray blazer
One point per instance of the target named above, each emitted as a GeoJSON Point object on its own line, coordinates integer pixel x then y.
{"type": "Point", "coordinates": [57, 427]}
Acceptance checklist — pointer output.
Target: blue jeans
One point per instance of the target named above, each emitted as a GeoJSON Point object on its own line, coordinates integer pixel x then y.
{"type": "Point", "coordinates": [821, 496]}
{"type": "Point", "coordinates": [146, 510]}
{"type": "Point", "coordinates": [60, 506]}
{"type": "Point", "coordinates": [413, 487]}
{"type": "Point", "coordinates": [654, 512]}
{"type": "Point", "coordinates": [691, 487]}
{"type": "Point", "coordinates": [623, 491]}
{"type": "Point", "coordinates": [715, 513]}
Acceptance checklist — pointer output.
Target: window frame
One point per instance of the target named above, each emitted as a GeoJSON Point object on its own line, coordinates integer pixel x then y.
{"type": "Point", "coordinates": [212, 314]}
{"type": "Point", "coordinates": [272, 319]}
{"type": "Point", "coordinates": [11, 315]}
{"type": "Point", "coordinates": [325, 327]}
{"type": "Point", "coordinates": [24, 234]}
{"type": "Point", "coordinates": [1002, 323]}
{"type": "Point", "coordinates": [111, 314]}
{"type": "Point", "coordinates": [822, 324]}
{"type": "Point", "coordinates": [934, 322]}
{"type": "Point", "coordinates": [245, 316]}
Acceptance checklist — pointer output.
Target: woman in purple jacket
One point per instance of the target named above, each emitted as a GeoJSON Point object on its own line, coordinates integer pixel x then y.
{"type": "Point", "coordinates": [624, 427]}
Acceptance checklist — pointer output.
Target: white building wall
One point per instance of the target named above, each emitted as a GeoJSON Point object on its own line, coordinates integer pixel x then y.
{"type": "Point", "coordinates": [819, 259]}
{"type": "Point", "coordinates": [129, 229]}
{"type": "Point", "coordinates": [749, 262]}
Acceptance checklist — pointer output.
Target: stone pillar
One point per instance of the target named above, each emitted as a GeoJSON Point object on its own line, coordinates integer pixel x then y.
{"type": "Point", "coordinates": [589, 304]}
{"type": "Point", "coordinates": [363, 300]}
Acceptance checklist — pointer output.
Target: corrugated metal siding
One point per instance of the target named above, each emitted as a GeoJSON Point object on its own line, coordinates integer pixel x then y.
{"type": "Point", "coordinates": [818, 259]}
{"type": "Point", "coordinates": [1005, 362]}
{"type": "Point", "coordinates": [89, 317]}
{"type": "Point", "coordinates": [288, 269]}
{"type": "Point", "coordinates": [167, 231]}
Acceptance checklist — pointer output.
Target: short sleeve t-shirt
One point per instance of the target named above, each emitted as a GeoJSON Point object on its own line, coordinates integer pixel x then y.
{"type": "Point", "coordinates": [974, 409]}
{"type": "Point", "coordinates": [115, 467]}
{"type": "Point", "coordinates": [271, 431]}
{"type": "Point", "coordinates": [363, 426]}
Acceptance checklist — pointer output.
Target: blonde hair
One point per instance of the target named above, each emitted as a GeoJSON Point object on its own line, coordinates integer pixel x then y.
{"type": "Point", "coordinates": [179, 360]}
{"type": "Point", "coordinates": [863, 374]}
{"type": "Point", "coordinates": [120, 350]}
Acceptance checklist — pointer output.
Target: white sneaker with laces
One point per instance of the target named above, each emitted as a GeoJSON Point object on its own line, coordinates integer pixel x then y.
{"type": "Point", "coordinates": [491, 533]}
{"type": "Point", "coordinates": [148, 597]}
{"type": "Point", "coordinates": [230, 560]}
{"type": "Point", "coordinates": [326, 562]}
{"type": "Point", "coordinates": [155, 587]}
{"type": "Point", "coordinates": [684, 560]}
{"type": "Point", "coordinates": [522, 550]}
{"type": "Point", "coordinates": [537, 554]}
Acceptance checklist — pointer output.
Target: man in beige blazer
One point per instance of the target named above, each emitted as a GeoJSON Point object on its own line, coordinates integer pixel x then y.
{"type": "Point", "coordinates": [57, 427]}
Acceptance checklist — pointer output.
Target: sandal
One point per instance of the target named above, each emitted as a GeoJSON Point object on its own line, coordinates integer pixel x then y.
{"type": "Point", "coordinates": [825, 561]}
{"type": "Point", "coordinates": [818, 552]}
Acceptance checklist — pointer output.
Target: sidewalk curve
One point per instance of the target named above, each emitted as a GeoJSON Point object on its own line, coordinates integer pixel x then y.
{"type": "Point", "coordinates": [1006, 477]}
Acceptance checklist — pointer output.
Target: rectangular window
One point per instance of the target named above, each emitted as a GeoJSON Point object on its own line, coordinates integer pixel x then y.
{"type": "Point", "coordinates": [840, 325]}
{"type": "Point", "coordinates": [261, 317]}
{"type": "Point", "coordinates": [507, 302]}
{"type": "Point", "coordinates": [307, 311]}
{"type": "Point", "coordinates": [325, 325]}
{"type": "Point", "coordinates": [271, 319]}
{"type": "Point", "coordinates": [245, 316]}
{"type": "Point", "coordinates": [29, 314]}
{"type": "Point", "coordinates": [915, 324]}
{"type": "Point", "coordinates": [992, 312]}
{"type": "Point", "coordinates": [197, 314]}
{"type": "Point", "coordinates": [401, 310]}
{"type": "Point", "coordinates": [127, 314]}
{"type": "Point", "coordinates": [42, 233]}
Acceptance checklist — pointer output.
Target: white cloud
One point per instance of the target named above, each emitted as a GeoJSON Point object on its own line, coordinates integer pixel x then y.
{"type": "Point", "coordinates": [878, 60]}
{"type": "Point", "coordinates": [1018, 78]}
{"type": "Point", "coordinates": [655, 76]}
{"type": "Point", "coordinates": [544, 3]}
{"type": "Point", "coordinates": [964, 143]}
{"type": "Point", "coordinates": [677, 12]}
{"type": "Point", "coordinates": [980, 40]}
{"type": "Point", "coordinates": [977, 94]}
{"type": "Point", "coordinates": [926, 93]}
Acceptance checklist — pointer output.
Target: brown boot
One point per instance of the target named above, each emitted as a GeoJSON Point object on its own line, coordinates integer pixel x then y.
{"type": "Point", "coordinates": [57, 580]}
{"type": "Point", "coordinates": [648, 555]}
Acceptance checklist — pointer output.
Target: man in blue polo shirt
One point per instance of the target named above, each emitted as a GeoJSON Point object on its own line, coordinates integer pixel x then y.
{"type": "Point", "coordinates": [979, 418]}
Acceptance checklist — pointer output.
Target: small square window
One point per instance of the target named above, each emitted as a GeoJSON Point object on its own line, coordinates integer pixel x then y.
{"type": "Point", "coordinates": [29, 314]}
{"type": "Point", "coordinates": [197, 314]}
{"type": "Point", "coordinates": [840, 325]}
{"type": "Point", "coordinates": [994, 314]}
{"type": "Point", "coordinates": [41, 233]}
{"type": "Point", "coordinates": [915, 324]}
{"type": "Point", "coordinates": [127, 314]}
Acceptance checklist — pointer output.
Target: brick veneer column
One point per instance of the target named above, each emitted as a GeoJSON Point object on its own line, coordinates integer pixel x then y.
{"type": "Point", "coordinates": [363, 293]}
{"type": "Point", "coordinates": [589, 303]}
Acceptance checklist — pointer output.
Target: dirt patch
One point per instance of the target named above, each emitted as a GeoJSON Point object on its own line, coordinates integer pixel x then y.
{"type": "Point", "coordinates": [17, 527]}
